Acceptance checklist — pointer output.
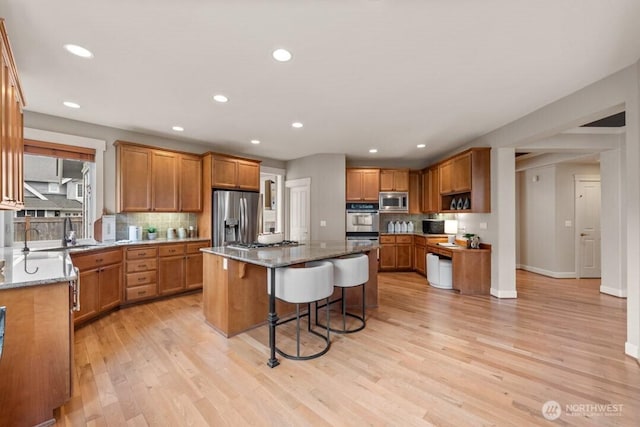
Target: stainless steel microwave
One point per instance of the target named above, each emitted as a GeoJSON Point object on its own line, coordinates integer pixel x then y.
{"type": "Point", "coordinates": [394, 201]}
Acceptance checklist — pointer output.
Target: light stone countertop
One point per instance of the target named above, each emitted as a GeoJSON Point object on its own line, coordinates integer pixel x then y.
{"type": "Point", "coordinates": [284, 256]}
{"type": "Point", "coordinates": [51, 265]}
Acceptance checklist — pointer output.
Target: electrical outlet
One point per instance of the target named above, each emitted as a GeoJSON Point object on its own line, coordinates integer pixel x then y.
{"type": "Point", "coordinates": [323, 223]}
{"type": "Point", "coordinates": [568, 223]}
{"type": "Point", "coordinates": [483, 226]}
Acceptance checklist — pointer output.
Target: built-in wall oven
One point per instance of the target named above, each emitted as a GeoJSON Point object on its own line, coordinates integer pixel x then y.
{"type": "Point", "coordinates": [362, 221]}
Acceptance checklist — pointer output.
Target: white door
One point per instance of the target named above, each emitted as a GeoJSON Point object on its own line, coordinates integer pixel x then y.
{"type": "Point", "coordinates": [299, 191]}
{"type": "Point", "coordinates": [588, 227]}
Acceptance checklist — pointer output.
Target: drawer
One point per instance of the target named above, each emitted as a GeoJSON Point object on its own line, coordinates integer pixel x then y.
{"type": "Point", "coordinates": [419, 240]}
{"type": "Point", "coordinates": [142, 252]}
{"type": "Point", "coordinates": [387, 239]}
{"type": "Point", "coordinates": [194, 248]}
{"type": "Point", "coordinates": [404, 239]}
{"type": "Point", "coordinates": [97, 259]}
{"type": "Point", "coordinates": [142, 278]}
{"type": "Point", "coordinates": [171, 250]}
{"type": "Point", "coordinates": [144, 264]}
{"type": "Point", "coordinates": [141, 292]}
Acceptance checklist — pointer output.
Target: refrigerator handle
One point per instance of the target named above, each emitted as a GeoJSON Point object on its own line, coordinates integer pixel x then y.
{"type": "Point", "coordinates": [241, 222]}
{"type": "Point", "coordinates": [245, 218]}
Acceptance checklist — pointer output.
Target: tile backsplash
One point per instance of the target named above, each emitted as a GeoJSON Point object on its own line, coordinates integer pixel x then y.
{"type": "Point", "coordinates": [416, 218]}
{"type": "Point", "coordinates": [161, 221]}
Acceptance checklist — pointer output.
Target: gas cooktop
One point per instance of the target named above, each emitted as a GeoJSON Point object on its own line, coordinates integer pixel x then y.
{"type": "Point", "coordinates": [256, 245]}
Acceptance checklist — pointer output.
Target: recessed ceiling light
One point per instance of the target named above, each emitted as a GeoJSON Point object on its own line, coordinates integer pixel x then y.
{"type": "Point", "coordinates": [373, 150]}
{"type": "Point", "coordinates": [78, 50]}
{"type": "Point", "coordinates": [71, 104]}
{"type": "Point", "coordinates": [281, 55]}
{"type": "Point", "coordinates": [178, 128]}
{"type": "Point", "coordinates": [296, 125]}
{"type": "Point", "coordinates": [220, 98]}
{"type": "Point", "coordinates": [421, 145]}
{"type": "Point", "coordinates": [255, 141]}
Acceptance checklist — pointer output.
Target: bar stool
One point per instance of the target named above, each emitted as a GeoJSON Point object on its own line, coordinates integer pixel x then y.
{"type": "Point", "coordinates": [348, 272]}
{"type": "Point", "coordinates": [304, 286]}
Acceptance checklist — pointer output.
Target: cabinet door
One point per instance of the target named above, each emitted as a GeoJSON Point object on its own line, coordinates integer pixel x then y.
{"type": "Point", "coordinates": [193, 271]}
{"type": "Point", "coordinates": [415, 193]}
{"type": "Point", "coordinates": [387, 180]}
{"type": "Point", "coordinates": [89, 295]}
{"type": "Point", "coordinates": [445, 171]}
{"type": "Point", "coordinates": [164, 181]}
{"type": "Point", "coordinates": [401, 180]}
{"type": "Point", "coordinates": [387, 257]}
{"type": "Point", "coordinates": [354, 184]}
{"type": "Point", "coordinates": [190, 194]}
{"type": "Point", "coordinates": [403, 257]}
{"type": "Point", "coordinates": [434, 194]}
{"type": "Point", "coordinates": [11, 144]}
{"type": "Point", "coordinates": [461, 173]}
{"type": "Point", "coordinates": [110, 286]}
{"type": "Point", "coordinates": [134, 185]}
{"type": "Point", "coordinates": [248, 175]}
{"type": "Point", "coordinates": [170, 274]}
{"type": "Point", "coordinates": [224, 173]}
{"type": "Point", "coordinates": [370, 185]}
{"type": "Point", "coordinates": [419, 259]}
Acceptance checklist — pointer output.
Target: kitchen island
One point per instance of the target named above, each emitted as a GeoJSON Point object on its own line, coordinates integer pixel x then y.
{"type": "Point", "coordinates": [235, 296]}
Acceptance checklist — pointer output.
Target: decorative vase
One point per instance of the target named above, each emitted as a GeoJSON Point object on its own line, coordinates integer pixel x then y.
{"type": "Point", "coordinates": [152, 236]}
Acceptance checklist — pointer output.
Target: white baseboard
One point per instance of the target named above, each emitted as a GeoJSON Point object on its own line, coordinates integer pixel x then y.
{"type": "Point", "coordinates": [632, 350]}
{"type": "Point", "coordinates": [518, 266]}
{"type": "Point", "coordinates": [503, 294]}
{"type": "Point", "coordinates": [549, 273]}
{"type": "Point", "coordinates": [620, 293]}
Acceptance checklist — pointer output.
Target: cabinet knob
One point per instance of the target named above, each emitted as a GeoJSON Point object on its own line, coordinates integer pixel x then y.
{"type": "Point", "coordinates": [142, 292]}
{"type": "Point", "coordinates": [141, 279]}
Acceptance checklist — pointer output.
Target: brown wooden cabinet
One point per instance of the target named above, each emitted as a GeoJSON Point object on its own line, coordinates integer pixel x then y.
{"type": "Point", "coordinates": [152, 180]}
{"type": "Point", "coordinates": [430, 190]}
{"type": "Point", "coordinates": [471, 268]}
{"type": "Point", "coordinates": [141, 272]}
{"type": "Point", "coordinates": [234, 173]}
{"type": "Point", "coordinates": [362, 185]}
{"type": "Point", "coordinates": [415, 192]}
{"type": "Point", "coordinates": [396, 252]}
{"type": "Point", "coordinates": [37, 359]}
{"type": "Point", "coordinates": [465, 181]}
{"type": "Point", "coordinates": [394, 180]}
{"type": "Point", "coordinates": [171, 268]}
{"type": "Point", "coordinates": [11, 135]}
{"type": "Point", "coordinates": [100, 282]}
{"type": "Point", "coordinates": [419, 254]}
{"type": "Point", "coordinates": [193, 265]}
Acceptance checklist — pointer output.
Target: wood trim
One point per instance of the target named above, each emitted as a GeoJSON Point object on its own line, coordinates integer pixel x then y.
{"type": "Point", "coordinates": [63, 151]}
{"type": "Point", "coordinates": [9, 58]}
{"type": "Point", "coordinates": [153, 147]}
{"type": "Point", "coordinates": [231, 156]}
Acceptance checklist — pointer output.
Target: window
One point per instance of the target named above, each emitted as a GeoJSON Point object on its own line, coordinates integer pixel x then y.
{"type": "Point", "coordinates": [56, 186]}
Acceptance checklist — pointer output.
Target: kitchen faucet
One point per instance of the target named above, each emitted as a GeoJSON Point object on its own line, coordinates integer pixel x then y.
{"type": "Point", "coordinates": [65, 240]}
{"type": "Point", "coordinates": [26, 236]}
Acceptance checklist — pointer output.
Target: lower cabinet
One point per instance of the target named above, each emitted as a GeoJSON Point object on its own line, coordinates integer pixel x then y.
{"type": "Point", "coordinates": [100, 282]}
{"type": "Point", "coordinates": [141, 272]}
{"type": "Point", "coordinates": [396, 252]}
{"type": "Point", "coordinates": [419, 254]}
{"type": "Point", "coordinates": [171, 265]}
{"type": "Point", "coordinates": [37, 357]}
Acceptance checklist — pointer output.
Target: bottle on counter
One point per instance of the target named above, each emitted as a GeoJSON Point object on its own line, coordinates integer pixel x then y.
{"type": "Point", "coordinates": [403, 227]}
{"type": "Point", "coordinates": [410, 227]}
{"type": "Point", "coordinates": [390, 227]}
{"type": "Point", "coordinates": [397, 227]}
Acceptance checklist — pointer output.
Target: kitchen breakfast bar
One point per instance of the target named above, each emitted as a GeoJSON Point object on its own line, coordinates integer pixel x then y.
{"type": "Point", "coordinates": [235, 297]}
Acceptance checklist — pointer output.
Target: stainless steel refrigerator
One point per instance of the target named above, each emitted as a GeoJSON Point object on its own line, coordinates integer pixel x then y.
{"type": "Point", "coordinates": [235, 217]}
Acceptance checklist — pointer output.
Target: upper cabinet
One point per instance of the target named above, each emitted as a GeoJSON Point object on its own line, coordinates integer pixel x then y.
{"type": "Point", "coordinates": [363, 185]}
{"type": "Point", "coordinates": [11, 137]}
{"type": "Point", "coordinates": [152, 180]}
{"type": "Point", "coordinates": [430, 190]}
{"type": "Point", "coordinates": [465, 182]}
{"type": "Point", "coordinates": [415, 189]}
{"type": "Point", "coordinates": [394, 180]}
{"type": "Point", "coordinates": [234, 173]}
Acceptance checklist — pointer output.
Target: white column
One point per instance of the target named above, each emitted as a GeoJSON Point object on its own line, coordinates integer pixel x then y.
{"type": "Point", "coordinates": [503, 202]}
{"type": "Point", "coordinates": [632, 198]}
{"type": "Point", "coordinates": [612, 225]}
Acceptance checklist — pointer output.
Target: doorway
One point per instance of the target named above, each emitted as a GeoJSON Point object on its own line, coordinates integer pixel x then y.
{"type": "Point", "coordinates": [587, 199]}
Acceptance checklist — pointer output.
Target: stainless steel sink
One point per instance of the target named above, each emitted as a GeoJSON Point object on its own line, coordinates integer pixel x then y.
{"type": "Point", "coordinates": [63, 248]}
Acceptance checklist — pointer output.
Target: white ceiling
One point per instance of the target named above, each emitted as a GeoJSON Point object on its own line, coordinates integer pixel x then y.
{"type": "Point", "coordinates": [365, 73]}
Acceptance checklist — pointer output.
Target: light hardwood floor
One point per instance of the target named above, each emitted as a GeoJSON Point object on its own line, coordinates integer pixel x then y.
{"type": "Point", "coordinates": [427, 356]}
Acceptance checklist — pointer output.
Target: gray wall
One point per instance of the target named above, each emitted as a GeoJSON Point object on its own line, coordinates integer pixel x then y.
{"type": "Point", "coordinates": [546, 244]}
{"type": "Point", "coordinates": [109, 134]}
{"type": "Point", "coordinates": [327, 173]}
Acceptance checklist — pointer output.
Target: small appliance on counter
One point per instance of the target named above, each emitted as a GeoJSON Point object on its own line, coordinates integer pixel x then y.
{"type": "Point", "coordinates": [135, 233]}
{"type": "Point", "coordinates": [104, 229]}
{"type": "Point", "coordinates": [433, 226]}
